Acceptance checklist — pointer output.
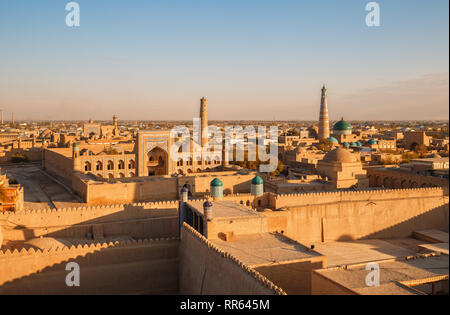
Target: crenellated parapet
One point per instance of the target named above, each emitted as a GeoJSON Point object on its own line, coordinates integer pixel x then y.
{"type": "Point", "coordinates": [90, 211]}
{"type": "Point", "coordinates": [226, 255]}
{"type": "Point", "coordinates": [311, 198]}
{"type": "Point", "coordinates": [81, 248]}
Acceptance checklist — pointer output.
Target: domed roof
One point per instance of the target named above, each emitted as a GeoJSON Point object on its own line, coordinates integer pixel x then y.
{"type": "Point", "coordinates": [372, 141]}
{"type": "Point", "coordinates": [216, 182]}
{"type": "Point", "coordinates": [257, 180]}
{"type": "Point", "coordinates": [358, 144]}
{"type": "Point", "coordinates": [340, 155]}
{"type": "Point", "coordinates": [342, 125]}
{"type": "Point", "coordinates": [346, 144]}
{"type": "Point", "coordinates": [332, 139]}
{"type": "Point", "coordinates": [352, 144]}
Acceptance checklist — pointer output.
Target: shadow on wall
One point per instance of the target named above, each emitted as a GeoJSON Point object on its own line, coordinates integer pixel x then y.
{"type": "Point", "coordinates": [151, 268]}
{"type": "Point", "coordinates": [242, 187]}
{"type": "Point", "coordinates": [436, 218]}
{"type": "Point", "coordinates": [134, 221]}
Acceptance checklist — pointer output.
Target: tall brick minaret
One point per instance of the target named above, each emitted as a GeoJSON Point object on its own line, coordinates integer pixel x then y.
{"type": "Point", "coordinates": [204, 121]}
{"type": "Point", "coordinates": [116, 127]}
{"type": "Point", "coordinates": [324, 124]}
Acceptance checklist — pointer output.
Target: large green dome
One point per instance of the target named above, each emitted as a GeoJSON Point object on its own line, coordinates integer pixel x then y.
{"type": "Point", "coordinates": [342, 125]}
{"type": "Point", "coordinates": [216, 182]}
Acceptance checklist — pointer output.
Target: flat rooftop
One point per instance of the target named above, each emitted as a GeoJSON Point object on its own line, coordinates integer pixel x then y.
{"type": "Point", "coordinates": [393, 275]}
{"type": "Point", "coordinates": [265, 248]}
{"type": "Point", "coordinates": [363, 251]}
{"type": "Point", "coordinates": [225, 209]}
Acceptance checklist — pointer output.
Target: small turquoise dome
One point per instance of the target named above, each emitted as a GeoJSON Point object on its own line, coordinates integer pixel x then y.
{"type": "Point", "coordinates": [257, 180]}
{"type": "Point", "coordinates": [372, 141]}
{"type": "Point", "coordinates": [358, 144]}
{"type": "Point", "coordinates": [352, 144]}
{"type": "Point", "coordinates": [216, 182]}
{"type": "Point", "coordinates": [342, 125]}
{"type": "Point", "coordinates": [346, 144]}
{"type": "Point", "coordinates": [333, 140]}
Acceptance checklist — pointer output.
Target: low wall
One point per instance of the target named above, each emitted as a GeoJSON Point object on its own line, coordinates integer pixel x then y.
{"type": "Point", "coordinates": [144, 267]}
{"type": "Point", "coordinates": [141, 220]}
{"type": "Point", "coordinates": [206, 269]}
{"type": "Point", "coordinates": [293, 276]}
{"type": "Point", "coordinates": [325, 286]}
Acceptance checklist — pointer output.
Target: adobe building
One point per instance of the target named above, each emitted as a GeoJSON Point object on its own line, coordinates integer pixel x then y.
{"type": "Point", "coordinates": [414, 138]}
{"type": "Point", "coordinates": [343, 169]}
{"type": "Point", "coordinates": [11, 195]}
{"type": "Point", "coordinates": [342, 132]}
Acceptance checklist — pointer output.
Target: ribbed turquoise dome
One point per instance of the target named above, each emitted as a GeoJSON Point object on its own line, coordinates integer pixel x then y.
{"type": "Point", "coordinates": [358, 144]}
{"type": "Point", "coordinates": [332, 139]}
{"type": "Point", "coordinates": [342, 125]}
{"type": "Point", "coordinates": [352, 144]}
{"type": "Point", "coordinates": [216, 182]}
{"type": "Point", "coordinates": [346, 144]}
{"type": "Point", "coordinates": [372, 141]}
{"type": "Point", "coordinates": [257, 180]}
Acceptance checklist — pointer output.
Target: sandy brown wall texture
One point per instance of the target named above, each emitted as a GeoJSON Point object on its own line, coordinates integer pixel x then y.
{"type": "Point", "coordinates": [140, 220]}
{"type": "Point", "coordinates": [354, 215]}
{"type": "Point", "coordinates": [205, 269]}
{"type": "Point", "coordinates": [56, 163]}
{"type": "Point", "coordinates": [123, 192]}
{"type": "Point", "coordinates": [31, 154]}
{"type": "Point", "coordinates": [321, 285]}
{"type": "Point", "coordinates": [144, 267]}
{"type": "Point", "coordinates": [294, 276]}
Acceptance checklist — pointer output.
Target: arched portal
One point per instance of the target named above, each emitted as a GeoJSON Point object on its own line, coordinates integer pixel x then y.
{"type": "Point", "coordinates": [157, 162]}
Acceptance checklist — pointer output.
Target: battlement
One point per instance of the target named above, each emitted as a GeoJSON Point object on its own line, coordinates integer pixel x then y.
{"type": "Point", "coordinates": [248, 270]}
{"type": "Point", "coordinates": [309, 198]}
{"type": "Point", "coordinates": [172, 204]}
{"type": "Point", "coordinates": [80, 249]}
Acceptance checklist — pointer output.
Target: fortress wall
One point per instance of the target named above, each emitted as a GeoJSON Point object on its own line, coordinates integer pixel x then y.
{"type": "Point", "coordinates": [144, 267]}
{"type": "Point", "coordinates": [124, 192]}
{"type": "Point", "coordinates": [232, 184]}
{"type": "Point", "coordinates": [261, 201]}
{"type": "Point", "coordinates": [159, 189]}
{"type": "Point", "coordinates": [34, 154]}
{"type": "Point", "coordinates": [315, 198]}
{"type": "Point", "coordinates": [392, 215]}
{"type": "Point", "coordinates": [142, 220]}
{"type": "Point", "coordinates": [58, 163]}
{"type": "Point", "coordinates": [206, 269]}
{"type": "Point", "coordinates": [80, 187]}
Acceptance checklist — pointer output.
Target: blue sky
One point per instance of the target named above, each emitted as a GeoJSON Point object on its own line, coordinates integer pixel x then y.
{"type": "Point", "coordinates": [253, 59]}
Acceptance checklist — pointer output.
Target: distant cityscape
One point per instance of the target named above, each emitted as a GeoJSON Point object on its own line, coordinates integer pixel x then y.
{"type": "Point", "coordinates": [229, 214]}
